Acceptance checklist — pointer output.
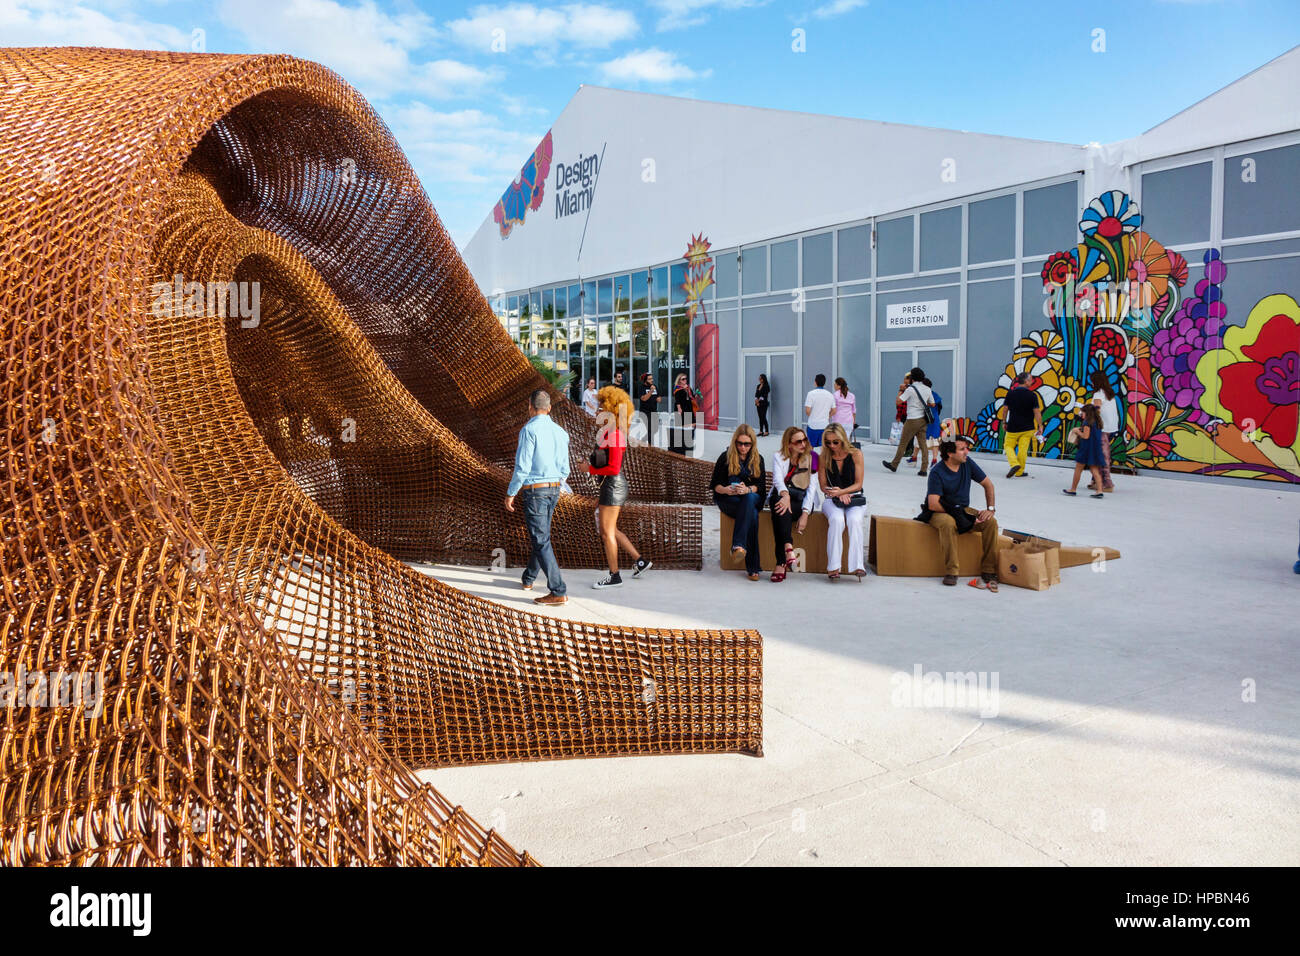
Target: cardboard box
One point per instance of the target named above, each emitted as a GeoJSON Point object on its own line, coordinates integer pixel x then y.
{"type": "Point", "coordinates": [910, 548]}
{"type": "Point", "coordinates": [813, 542]}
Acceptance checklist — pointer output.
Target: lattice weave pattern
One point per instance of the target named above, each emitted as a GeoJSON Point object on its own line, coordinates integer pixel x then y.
{"type": "Point", "coordinates": [202, 511]}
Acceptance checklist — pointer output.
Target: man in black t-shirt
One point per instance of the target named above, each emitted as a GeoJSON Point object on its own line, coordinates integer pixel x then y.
{"type": "Point", "coordinates": [949, 485]}
{"type": "Point", "coordinates": [1024, 413]}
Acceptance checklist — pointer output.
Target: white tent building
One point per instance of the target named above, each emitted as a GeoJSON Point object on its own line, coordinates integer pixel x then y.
{"type": "Point", "coordinates": [829, 235]}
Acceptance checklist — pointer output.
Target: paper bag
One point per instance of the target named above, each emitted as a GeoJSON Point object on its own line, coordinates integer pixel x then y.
{"type": "Point", "coordinates": [895, 432]}
{"type": "Point", "coordinates": [1024, 568]}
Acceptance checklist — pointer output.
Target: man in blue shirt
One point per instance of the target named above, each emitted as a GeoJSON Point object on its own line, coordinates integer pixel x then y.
{"type": "Point", "coordinates": [949, 485]}
{"type": "Point", "coordinates": [541, 466]}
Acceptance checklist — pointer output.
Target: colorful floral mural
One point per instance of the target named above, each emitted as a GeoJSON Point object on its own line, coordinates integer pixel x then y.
{"type": "Point", "coordinates": [525, 193]}
{"type": "Point", "coordinates": [1198, 393]}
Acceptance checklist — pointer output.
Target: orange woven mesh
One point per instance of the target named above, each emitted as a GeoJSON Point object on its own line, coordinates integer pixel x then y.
{"type": "Point", "coordinates": [206, 512]}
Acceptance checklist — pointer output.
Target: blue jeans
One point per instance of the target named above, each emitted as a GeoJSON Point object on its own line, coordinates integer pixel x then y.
{"type": "Point", "coordinates": [539, 504]}
{"type": "Point", "coordinates": [743, 510]}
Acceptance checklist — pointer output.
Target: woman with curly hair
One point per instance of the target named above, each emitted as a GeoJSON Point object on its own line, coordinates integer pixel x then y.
{"type": "Point", "coordinates": [739, 484]}
{"type": "Point", "coordinates": [611, 444]}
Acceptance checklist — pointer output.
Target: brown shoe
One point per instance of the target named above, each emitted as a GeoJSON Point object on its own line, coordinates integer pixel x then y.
{"type": "Point", "coordinates": [950, 580]}
{"type": "Point", "coordinates": [552, 599]}
{"type": "Point", "coordinates": [526, 587]}
{"type": "Point", "coordinates": [753, 577]}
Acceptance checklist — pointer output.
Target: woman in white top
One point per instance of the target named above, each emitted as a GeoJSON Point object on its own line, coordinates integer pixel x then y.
{"type": "Point", "coordinates": [841, 479]}
{"type": "Point", "coordinates": [1104, 398]}
{"type": "Point", "coordinates": [795, 493]}
{"type": "Point", "coordinates": [590, 403]}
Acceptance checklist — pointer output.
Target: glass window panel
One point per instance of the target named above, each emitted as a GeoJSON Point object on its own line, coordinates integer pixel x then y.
{"type": "Point", "coordinates": [640, 290]}
{"type": "Point", "coordinates": [724, 273]}
{"type": "Point", "coordinates": [681, 341]}
{"type": "Point", "coordinates": [536, 300]}
{"type": "Point", "coordinates": [659, 287]}
{"type": "Point", "coordinates": [991, 229]}
{"type": "Point", "coordinates": [817, 259]}
{"type": "Point", "coordinates": [785, 265]}
{"type": "Point", "coordinates": [640, 338]}
{"type": "Point", "coordinates": [894, 247]}
{"type": "Point", "coordinates": [1051, 219]}
{"type": "Point", "coordinates": [605, 296]}
{"type": "Point", "coordinates": [677, 295]}
{"type": "Point", "coordinates": [548, 304]}
{"type": "Point", "coordinates": [589, 298]}
{"type": "Point", "coordinates": [753, 270]}
{"type": "Point", "coordinates": [622, 342]}
{"type": "Point", "coordinates": [1261, 196]}
{"type": "Point", "coordinates": [855, 253]}
{"type": "Point", "coordinates": [941, 239]}
{"type": "Point", "coordinates": [1176, 204]}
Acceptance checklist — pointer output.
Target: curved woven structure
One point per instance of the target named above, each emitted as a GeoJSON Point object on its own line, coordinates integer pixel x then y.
{"type": "Point", "coordinates": [204, 512]}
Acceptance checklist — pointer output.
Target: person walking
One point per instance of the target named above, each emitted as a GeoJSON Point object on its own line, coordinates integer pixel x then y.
{"type": "Point", "coordinates": [648, 400]}
{"type": "Point", "coordinates": [1024, 420]}
{"type": "Point", "coordinates": [589, 400]}
{"type": "Point", "coordinates": [541, 467]}
{"type": "Point", "coordinates": [739, 484]}
{"type": "Point", "coordinates": [1088, 454]}
{"type": "Point", "coordinates": [762, 395]}
{"type": "Point", "coordinates": [795, 494]}
{"type": "Point", "coordinates": [615, 410]}
{"type": "Point", "coordinates": [917, 395]}
{"type": "Point", "coordinates": [818, 405]}
{"type": "Point", "coordinates": [934, 430]}
{"type": "Point", "coordinates": [1104, 399]}
{"type": "Point", "coordinates": [840, 476]}
{"type": "Point", "coordinates": [947, 506]}
{"type": "Point", "coordinates": [683, 415]}
{"type": "Point", "coordinates": [846, 407]}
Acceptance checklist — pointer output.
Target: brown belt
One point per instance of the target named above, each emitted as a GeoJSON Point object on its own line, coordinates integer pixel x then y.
{"type": "Point", "coordinates": [541, 484]}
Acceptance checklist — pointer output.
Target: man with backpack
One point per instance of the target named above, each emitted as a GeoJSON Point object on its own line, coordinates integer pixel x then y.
{"type": "Point", "coordinates": [920, 412]}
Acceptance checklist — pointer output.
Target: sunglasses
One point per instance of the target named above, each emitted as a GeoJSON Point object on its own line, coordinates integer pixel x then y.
{"type": "Point", "coordinates": [744, 444]}
{"type": "Point", "coordinates": [833, 442]}
{"type": "Point", "coordinates": [798, 441]}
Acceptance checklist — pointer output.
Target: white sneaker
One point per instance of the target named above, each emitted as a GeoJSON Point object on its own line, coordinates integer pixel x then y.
{"type": "Point", "coordinates": [608, 582]}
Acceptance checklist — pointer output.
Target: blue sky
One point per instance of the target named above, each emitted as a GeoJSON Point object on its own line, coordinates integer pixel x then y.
{"type": "Point", "coordinates": [469, 89]}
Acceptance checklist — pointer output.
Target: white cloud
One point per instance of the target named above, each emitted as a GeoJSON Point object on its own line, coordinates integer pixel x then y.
{"type": "Point", "coordinates": [461, 146]}
{"type": "Point", "coordinates": [522, 25]}
{"type": "Point", "coordinates": [837, 7]}
{"type": "Point", "coordinates": [69, 23]}
{"type": "Point", "coordinates": [649, 66]}
{"type": "Point", "coordinates": [373, 50]}
{"type": "Point", "coordinates": [678, 14]}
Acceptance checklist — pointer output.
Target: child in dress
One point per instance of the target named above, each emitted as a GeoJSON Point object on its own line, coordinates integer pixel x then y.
{"type": "Point", "coordinates": [1090, 453]}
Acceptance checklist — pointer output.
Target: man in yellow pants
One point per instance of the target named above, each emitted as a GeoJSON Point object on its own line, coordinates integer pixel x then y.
{"type": "Point", "coordinates": [1024, 416]}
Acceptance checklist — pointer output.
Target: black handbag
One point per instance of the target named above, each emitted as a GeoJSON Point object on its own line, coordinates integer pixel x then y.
{"type": "Point", "coordinates": [856, 500]}
{"type": "Point", "coordinates": [599, 457]}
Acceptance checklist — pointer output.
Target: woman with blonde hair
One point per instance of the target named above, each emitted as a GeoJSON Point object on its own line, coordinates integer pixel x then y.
{"type": "Point", "coordinates": [739, 484]}
{"type": "Point", "coordinates": [840, 476]}
{"type": "Point", "coordinates": [795, 493]}
{"type": "Point", "coordinates": [607, 463]}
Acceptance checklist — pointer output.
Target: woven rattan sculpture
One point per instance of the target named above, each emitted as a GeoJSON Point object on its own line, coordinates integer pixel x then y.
{"type": "Point", "coordinates": [209, 650]}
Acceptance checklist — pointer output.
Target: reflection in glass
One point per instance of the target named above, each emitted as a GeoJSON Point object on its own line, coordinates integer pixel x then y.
{"type": "Point", "coordinates": [676, 293]}
{"type": "Point", "coordinates": [589, 298]}
{"type": "Point", "coordinates": [640, 290]}
{"type": "Point", "coordinates": [561, 301]}
{"type": "Point", "coordinates": [659, 287]}
{"type": "Point", "coordinates": [606, 300]}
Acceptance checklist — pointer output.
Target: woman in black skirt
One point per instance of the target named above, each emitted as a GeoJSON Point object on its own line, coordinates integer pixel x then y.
{"type": "Point", "coordinates": [761, 395]}
{"type": "Point", "coordinates": [611, 422]}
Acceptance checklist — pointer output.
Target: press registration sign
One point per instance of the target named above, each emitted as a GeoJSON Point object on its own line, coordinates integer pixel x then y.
{"type": "Point", "coordinates": [912, 315]}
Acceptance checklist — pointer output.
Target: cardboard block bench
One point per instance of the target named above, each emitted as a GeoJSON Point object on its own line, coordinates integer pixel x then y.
{"type": "Point", "coordinates": [813, 542]}
{"type": "Point", "coordinates": [895, 546]}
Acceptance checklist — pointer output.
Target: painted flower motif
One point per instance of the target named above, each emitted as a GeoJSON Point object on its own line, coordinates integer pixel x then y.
{"type": "Point", "coordinates": [1070, 397]}
{"type": "Point", "coordinates": [1253, 381]}
{"type": "Point", "coordinates": [988, 427]}
{"type": "Point", "coordinates": [1110, 340]}
{"type": "Point", "coordinates": [1145, 421]}
{"type": "Point", "coordinates": [1140, 380]}
{"type": "Point", "coordinates": [1110, 215]}
{"type": "Point", "coordinates": [526, 192]}
{"type": "Point", "coordinates": [1044, 378]}
{"type": "Point", "coordinates": [1194, 330]}
{"type": "Point", "coordinates": [1044, 348]}
{"type": "Point", "coordinates": [1150, 270]}
{"type": "Point", "coordinates": [1060, 268]}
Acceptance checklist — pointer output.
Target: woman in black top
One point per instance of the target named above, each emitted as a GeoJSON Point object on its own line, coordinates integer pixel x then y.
{"type": "Point", "coordinates": [739, 484]}
{"type": "Point", "coordinates": [760, 402]}
{"type": "Point", "coordinates": [683, 415]}
{"type": "Point", "coordinates": [840, 475]}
